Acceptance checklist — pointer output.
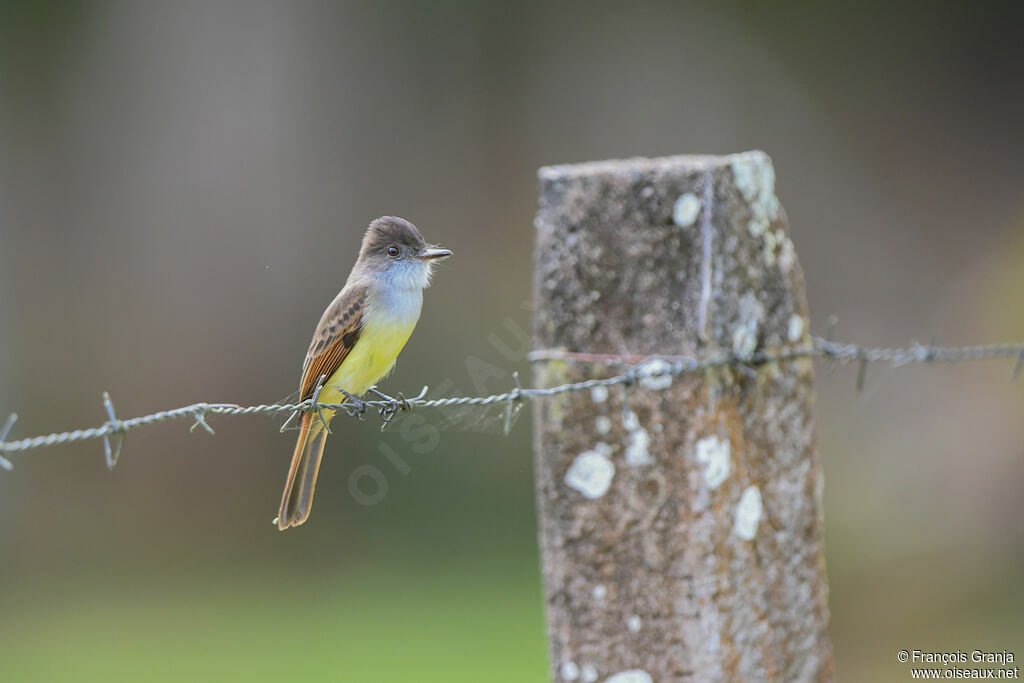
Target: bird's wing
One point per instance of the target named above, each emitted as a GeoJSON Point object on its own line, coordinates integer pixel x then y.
{"type": "Point", "coordinates": [335, 336]}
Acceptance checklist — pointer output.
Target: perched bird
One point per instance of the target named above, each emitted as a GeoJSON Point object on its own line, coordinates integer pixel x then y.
{"type": "Point", "coordinates": [357, 341]}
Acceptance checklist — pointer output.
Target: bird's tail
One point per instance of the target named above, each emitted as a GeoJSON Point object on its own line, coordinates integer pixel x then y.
{"type": "Point", "coordinates": [298, 490]}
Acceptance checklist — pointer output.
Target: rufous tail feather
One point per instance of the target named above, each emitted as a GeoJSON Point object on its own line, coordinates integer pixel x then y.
{"type": "Point", "coordinates": [297, 500]}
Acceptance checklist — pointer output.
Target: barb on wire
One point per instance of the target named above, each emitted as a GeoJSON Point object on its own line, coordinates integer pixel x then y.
{"type": "Point", "coordinates": [862, 373]}
{"type": "Point", "coordinates": [112, 427]}
{"type": "Point", "coordinates": [200, 415]}
{"type": "Point", "coordinates": [652, 370]}
{"type": "Point", "coordinates": [315, 401]}
{"type": "Point", "coordinates": [11, 419]}
{"type": "Point", "coordinates": [515, 402]}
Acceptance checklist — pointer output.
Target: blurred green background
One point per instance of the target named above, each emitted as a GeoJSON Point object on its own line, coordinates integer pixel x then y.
{"type": "Point", "coordinates": [182, 190]}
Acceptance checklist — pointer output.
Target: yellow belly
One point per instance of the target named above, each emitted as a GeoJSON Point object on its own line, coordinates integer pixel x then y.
{"type": "Point", "coordinates": [370, 360]}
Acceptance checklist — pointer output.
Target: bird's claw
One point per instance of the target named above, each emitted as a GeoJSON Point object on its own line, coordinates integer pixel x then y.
{"type": "Point", "coordinates": [355, 407]}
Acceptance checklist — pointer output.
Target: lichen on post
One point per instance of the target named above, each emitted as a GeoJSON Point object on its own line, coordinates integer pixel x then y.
{"type": "Point", "coordinates": [680, 521]}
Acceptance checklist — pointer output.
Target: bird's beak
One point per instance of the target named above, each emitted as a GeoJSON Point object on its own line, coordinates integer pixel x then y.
{"type": "Point", "coordinates": [432, 253]}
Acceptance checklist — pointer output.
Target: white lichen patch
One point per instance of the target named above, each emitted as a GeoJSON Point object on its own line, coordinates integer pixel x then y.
{"type": "Point", "coordinates": [748, 513]}
{"type": "Point", "coordinates": [591, 473]}
{"type": "Point", "coordinates": [588, 674]}
{"type": "Point", "coordinates": [787, 255]}
{"type": "Point", "coordinates": [714, 454]}
{"type": "Point", "coordinates": [655, 374]}
{"type": "Point", "coordinates": [603, 424]}
{"type": "Point", "coordinates": [638, 450]}
{"type": "Point", "coordinates": [634, 624]}
{"type": "Point", "coordinates": [755, 178]}
{"type": "Point", "coordinates": [631, 676]}
{"type": "Point", "coordinates": [744, 339]}
{"type": "Point", "coordinates": [686, 210]}
{"type": "Point", "coordinates": [796, 328]}
{"type": "Point", "coordinates": [599, 394]}
{"type": "Point", "coordinates": [569, 671]}
{"type": "Point", "coordinates": [599, 592]}
{"type": "Point", "coordinates": [753, 174]}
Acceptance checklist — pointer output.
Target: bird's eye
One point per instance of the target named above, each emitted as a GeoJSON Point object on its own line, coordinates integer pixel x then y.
{"type": "Point", "coordinates": [392, 251]}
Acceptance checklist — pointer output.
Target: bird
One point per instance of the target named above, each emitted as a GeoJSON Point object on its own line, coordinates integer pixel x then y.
{"type": "Point", "coordinates": [357, 342]}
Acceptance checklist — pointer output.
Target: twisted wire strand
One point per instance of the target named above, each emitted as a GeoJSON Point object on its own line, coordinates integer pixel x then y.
{"type": "Point", "coordinates": [636, 369]}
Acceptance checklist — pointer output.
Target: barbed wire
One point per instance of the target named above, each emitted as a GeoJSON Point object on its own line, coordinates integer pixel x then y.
{"type": "Point", "coordinates": [638, 371]}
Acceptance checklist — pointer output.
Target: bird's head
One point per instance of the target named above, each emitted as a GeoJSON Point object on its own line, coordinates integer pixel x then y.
{"type": "Point", "coordinates": [394, 248]}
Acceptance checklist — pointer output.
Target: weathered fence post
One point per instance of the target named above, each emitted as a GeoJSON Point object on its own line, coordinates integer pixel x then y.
{"type": "Point", "coordinates": [680, 524]}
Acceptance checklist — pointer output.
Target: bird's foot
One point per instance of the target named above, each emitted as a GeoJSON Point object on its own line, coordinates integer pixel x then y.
{"type": "Point", "coordinates": [355, 407]}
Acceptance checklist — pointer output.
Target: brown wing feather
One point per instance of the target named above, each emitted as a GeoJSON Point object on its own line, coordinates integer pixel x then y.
{"type": "Point", "coordinates": [336, 334]}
